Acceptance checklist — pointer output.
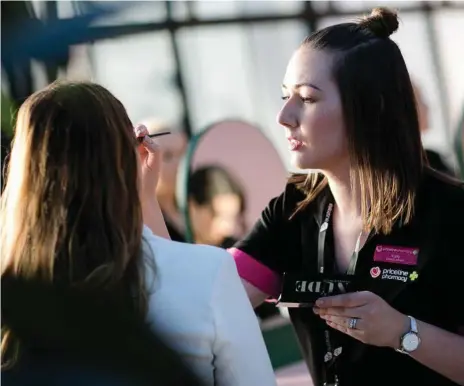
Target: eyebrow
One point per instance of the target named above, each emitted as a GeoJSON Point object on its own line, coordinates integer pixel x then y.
{"type": "Point", "coordinates": [298, 85]}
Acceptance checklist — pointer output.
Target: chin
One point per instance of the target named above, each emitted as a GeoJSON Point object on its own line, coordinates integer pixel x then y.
{"type": "Point", "coordinates": [302, 161]}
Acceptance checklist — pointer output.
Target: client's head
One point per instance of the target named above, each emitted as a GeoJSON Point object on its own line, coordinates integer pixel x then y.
{"type": "Point", "coordinates": [216, 205]}
{"type": "Point", "coordinates": [70, 212]}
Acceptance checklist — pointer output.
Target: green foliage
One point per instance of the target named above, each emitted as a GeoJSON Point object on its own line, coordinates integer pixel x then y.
{"type": "Point", "coordinates": [8, 112]}
{"type": "Point", "coordinates": [459, 147]}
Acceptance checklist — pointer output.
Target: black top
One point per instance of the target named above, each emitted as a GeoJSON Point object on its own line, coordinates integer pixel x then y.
{"type": "Point", "coordinates": [436, 162]}
{"type": "Point", "coordinates": [435, 296]}
{"type": "Point", "coordinates": [173, 232]}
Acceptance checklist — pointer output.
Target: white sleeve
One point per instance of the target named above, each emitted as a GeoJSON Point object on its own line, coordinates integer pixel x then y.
{"type": "Point", "coordinates": [240, 355]}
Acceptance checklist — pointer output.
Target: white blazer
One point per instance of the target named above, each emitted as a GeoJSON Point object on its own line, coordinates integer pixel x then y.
{"type": "Point", "coordinates": [198, 304]}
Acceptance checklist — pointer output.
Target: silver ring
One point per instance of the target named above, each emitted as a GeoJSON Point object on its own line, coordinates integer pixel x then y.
{"type": "Point", "coordinates": [352, 323]}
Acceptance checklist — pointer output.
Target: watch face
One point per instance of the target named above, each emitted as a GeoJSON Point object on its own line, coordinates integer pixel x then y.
{"type": "Point", "coordinates": [410, 342]}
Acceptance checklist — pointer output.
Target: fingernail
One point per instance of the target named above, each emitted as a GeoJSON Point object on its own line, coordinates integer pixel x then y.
{"type": "Point", "coordinates": [315, 310]}
{"type": "Point", "coordinates": [140, 129]}
{"type": "Point", "coordinates": [319, 302]}
{"type": "Point", "coordinates": [150, 141]}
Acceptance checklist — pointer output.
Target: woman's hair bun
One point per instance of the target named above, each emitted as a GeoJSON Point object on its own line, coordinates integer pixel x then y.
{"type": "Point", "coordinates": [382, 22]}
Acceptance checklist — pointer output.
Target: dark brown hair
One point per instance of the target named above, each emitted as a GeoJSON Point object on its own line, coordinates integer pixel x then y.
{"type": "Point", "coordinates": [380, 116]}
{"type": "Point", "coordinates": [210, 181]}
{"type": "Point", "coordinates": [70, 212]}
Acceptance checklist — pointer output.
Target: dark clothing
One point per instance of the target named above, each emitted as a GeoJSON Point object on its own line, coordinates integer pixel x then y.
{"type": "Point", "coordinates": [173, 232]}
{"type": "Point", "coordinates": [429, 288]}
{"type": "Point", "coordinates": [436, 162]}
{"type": "Point", "coordinates": [71, 338]}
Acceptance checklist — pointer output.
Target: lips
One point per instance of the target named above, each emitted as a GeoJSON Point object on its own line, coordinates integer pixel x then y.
{"type": "Point", "coordinates": [294, 144]}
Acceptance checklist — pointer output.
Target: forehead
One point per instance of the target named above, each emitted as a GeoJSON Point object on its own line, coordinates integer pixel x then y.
{"type": "Point", "coordinates": [226, 203]}
{"type": "Point", "coordinates": [308, 65]}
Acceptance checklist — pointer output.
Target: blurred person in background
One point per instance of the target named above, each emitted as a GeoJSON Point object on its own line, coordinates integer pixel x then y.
{"type": "Point", "coordinates": [172, 148]}
{"type": "Point", "coordinates": [71, 217]}
{"type": "Point", "coordinates": [216, 207]}
{"type": "Point", "coordinates": [434, 158]}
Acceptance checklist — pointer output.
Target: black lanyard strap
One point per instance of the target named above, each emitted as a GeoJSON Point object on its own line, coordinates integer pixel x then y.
{"type": "Point", "coordinates": [322, 236]}
{"type": "Point", "coordinates": [330, 377]}
{"type": "Point", "coordinates": [321, 245]}
{"type": "Point", "coordinates": [329, 374]}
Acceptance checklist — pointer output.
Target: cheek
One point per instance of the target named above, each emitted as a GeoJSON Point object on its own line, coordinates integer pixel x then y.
{"type": "Point", "coordinates": [323, 129]}
{"type": "Point", "coordinates": [201, 219]}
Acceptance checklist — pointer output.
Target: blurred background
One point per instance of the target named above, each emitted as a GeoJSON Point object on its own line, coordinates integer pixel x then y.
{"type": "Point", "coordinates": [189, 65]}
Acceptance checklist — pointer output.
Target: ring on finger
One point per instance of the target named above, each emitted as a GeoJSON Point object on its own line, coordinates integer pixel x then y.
{"type": "Point", "coordinates": [352, 323]}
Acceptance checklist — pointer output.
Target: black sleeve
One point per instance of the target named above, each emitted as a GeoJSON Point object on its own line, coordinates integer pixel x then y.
{"type": "Point", "coordinates": [436, 162]}
{"type": "Point", "coordinates": [260, 254]}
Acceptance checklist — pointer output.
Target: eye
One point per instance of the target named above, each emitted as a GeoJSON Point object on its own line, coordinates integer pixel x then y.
{"type": "Point", "coordinates": [308, 100]}
{"type": "Point", "coordinates": [285, 97]}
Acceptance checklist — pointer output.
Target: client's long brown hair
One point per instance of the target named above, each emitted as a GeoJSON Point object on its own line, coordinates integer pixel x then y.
{"type": "Point", "coordinates": [70, 211]}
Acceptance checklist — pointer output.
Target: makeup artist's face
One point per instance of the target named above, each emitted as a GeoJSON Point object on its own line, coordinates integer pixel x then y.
{"type": "Point", "coordinates": [312, 112]}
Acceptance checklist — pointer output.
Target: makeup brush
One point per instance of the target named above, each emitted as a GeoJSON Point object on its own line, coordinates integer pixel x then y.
{"type": "Point", "coordinates": [140, 139]}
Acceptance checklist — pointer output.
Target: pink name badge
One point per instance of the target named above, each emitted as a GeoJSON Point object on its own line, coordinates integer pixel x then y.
{"type": "Point", "coordinates": [396, 255]}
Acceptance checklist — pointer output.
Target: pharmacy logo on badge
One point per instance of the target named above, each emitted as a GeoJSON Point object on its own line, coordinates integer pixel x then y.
{"type": "Point", "coordinates": [375, 272]}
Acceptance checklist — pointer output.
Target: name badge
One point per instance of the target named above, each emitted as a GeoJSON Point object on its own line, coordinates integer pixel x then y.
{"type": "Point", "coordinates": [302, 290]}
{"type": "Point", "coordinates": [396, 255]}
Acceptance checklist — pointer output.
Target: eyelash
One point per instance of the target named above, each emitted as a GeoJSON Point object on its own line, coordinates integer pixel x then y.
{"type": "Point", "coordinates": [308, 100]}
{"type": "Point", "coordinates": [305, 100]}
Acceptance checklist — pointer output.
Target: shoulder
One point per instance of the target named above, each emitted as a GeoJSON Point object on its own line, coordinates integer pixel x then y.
{"type": "Point", "coordinates": [284, 205]}
{"type": "Point", "coordinates": [182, 282]}
{"type": "Point", "coordinates": [444, 193]}
{"type": "Point", "coordinates": [203, 259]}
{"type": "Point", "coordinates": [183, 264]}
{"type": "Point", "coordinates": [441, 209]}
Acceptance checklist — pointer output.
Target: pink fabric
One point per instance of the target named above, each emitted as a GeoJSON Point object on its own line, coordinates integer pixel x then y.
{"type": "Point", "coordinates": [256, 273]}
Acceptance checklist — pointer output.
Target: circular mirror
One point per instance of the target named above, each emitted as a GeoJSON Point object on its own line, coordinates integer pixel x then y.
{"type": "Point", "coordinates": [229, 173]}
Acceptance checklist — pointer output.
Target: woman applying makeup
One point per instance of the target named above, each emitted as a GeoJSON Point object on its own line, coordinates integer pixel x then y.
{"type": "Point", "coordinates": [371, 210]}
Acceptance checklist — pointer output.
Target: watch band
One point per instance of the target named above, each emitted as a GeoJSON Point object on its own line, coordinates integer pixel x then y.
{"type": "Point", "coordinates": [413, 325]}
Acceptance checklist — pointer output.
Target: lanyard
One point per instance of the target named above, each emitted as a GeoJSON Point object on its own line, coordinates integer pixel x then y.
{"type": "Point", "coordinates": [321, 245]}
{"type": "Point", "coordinates": [330, 357]}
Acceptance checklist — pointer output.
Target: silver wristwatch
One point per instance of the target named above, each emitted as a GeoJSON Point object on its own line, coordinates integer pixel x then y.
{"type": "Point", "coordinates": [410, 341]}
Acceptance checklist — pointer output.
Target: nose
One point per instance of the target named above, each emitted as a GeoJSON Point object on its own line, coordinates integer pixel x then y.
{"type": "Point", "coordinates": [288, 116]}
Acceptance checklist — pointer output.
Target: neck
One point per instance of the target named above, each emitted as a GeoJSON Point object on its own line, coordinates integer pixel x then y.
{"type": "Point", "coordinates": [347, 200]}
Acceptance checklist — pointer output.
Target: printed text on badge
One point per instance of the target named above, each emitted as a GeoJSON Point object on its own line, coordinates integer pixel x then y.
{"type": "Point", "coordinates": [396, 255]}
